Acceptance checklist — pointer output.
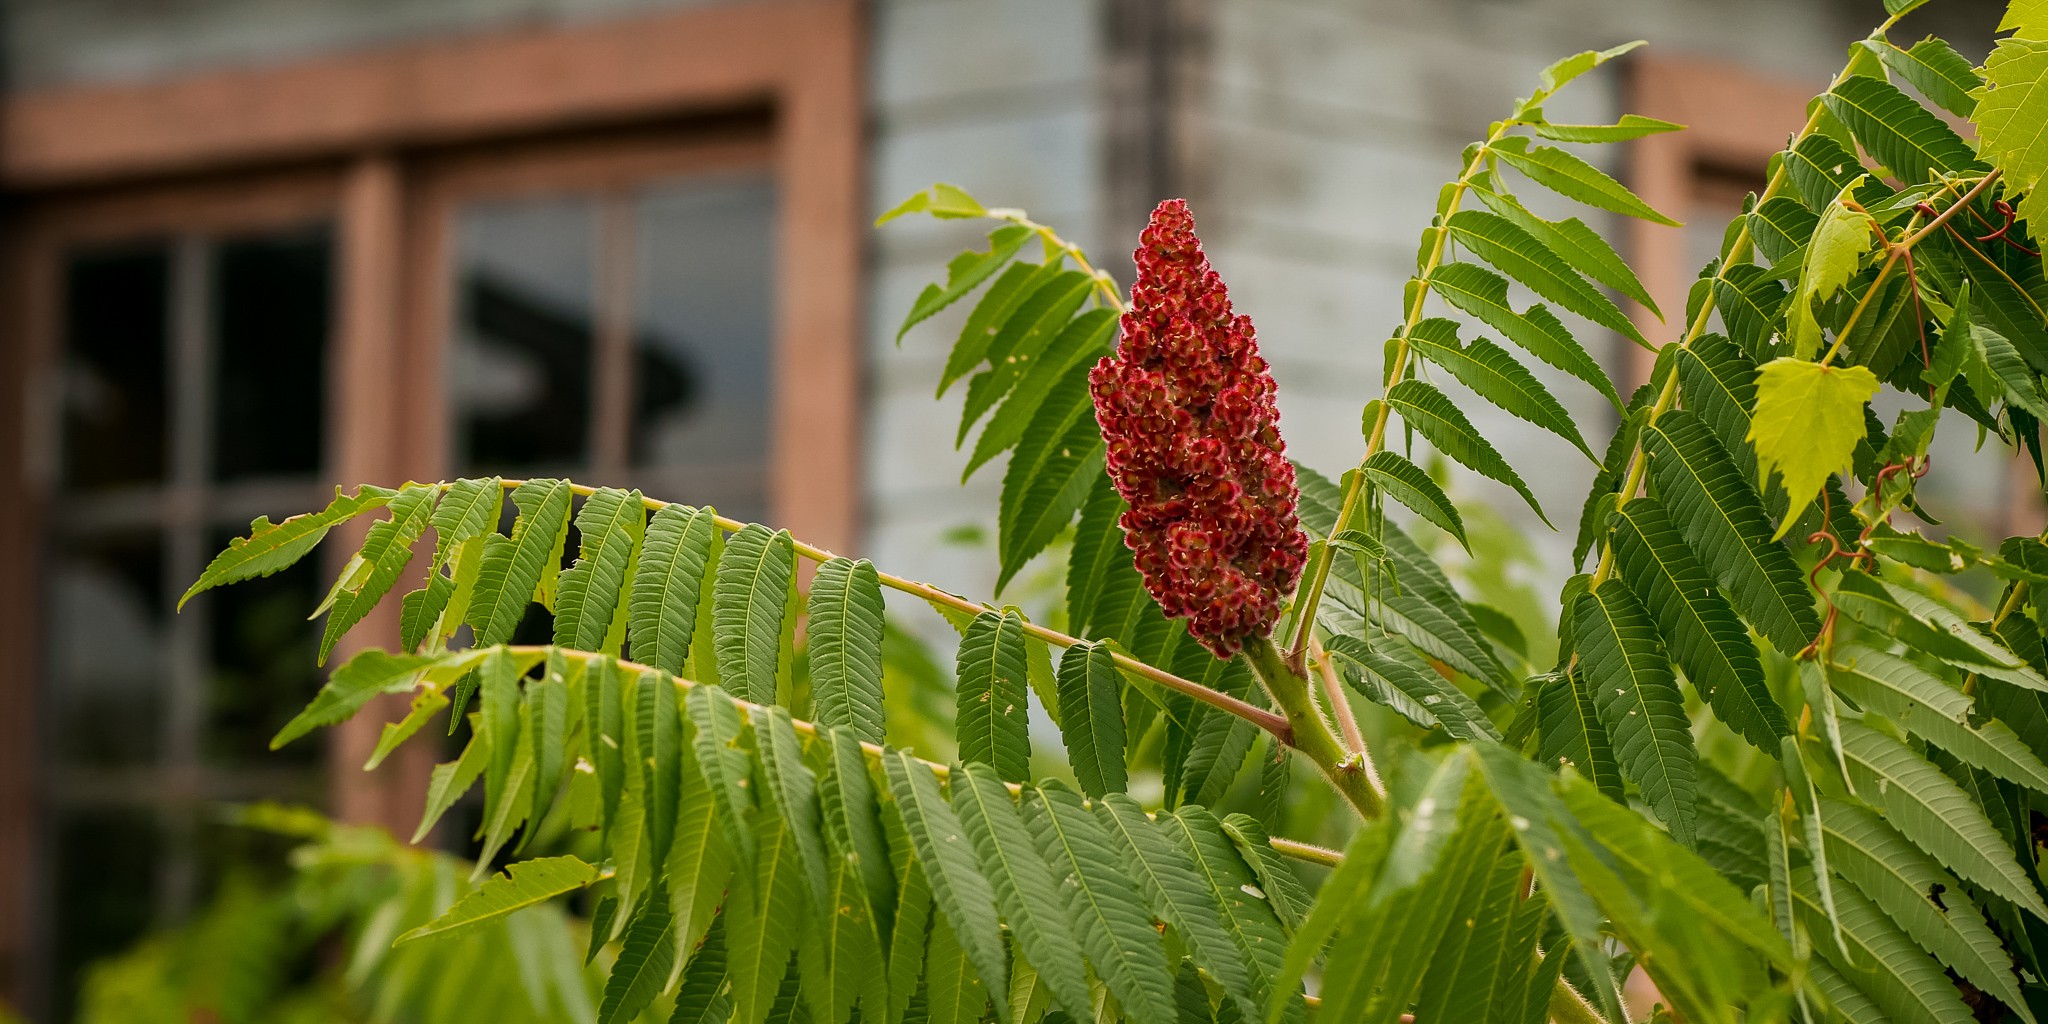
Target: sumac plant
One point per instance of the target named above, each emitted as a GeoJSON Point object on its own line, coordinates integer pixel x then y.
{"type": "Point", "coordinates": [1781, 767]}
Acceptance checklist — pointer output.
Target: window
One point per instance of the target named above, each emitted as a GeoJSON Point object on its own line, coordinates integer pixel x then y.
{"type": "Point", "coordinates": [188, 379]}
{"type": "Point", "coordinates": [617, 331]}
{"type": "Point", "coordinates": [556, 250]}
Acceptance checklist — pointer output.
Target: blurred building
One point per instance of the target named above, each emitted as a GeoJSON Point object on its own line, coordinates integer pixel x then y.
{"type": "Point", "coordinates": [254, 248]}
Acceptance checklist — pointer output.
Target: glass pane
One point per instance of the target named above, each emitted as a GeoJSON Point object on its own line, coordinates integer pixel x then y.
{"type": "Point", "coordinates": [703, 344]}
{"type": "Point", "coordinates": [107, 649]}
{"type": "Point", "coordinates": [262, 673]}
{"type": "Point", "coordinates": [272, 306]}
{"type": "Point", "coordinates": [103, 899]}
{"type": "Point", "coordinates": [520, 365]}
{"type": "Point", "coordinates": [114, 392]}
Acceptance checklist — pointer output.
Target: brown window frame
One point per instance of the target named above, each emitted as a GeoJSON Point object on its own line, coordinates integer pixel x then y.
{"type": "Point", "coordinates": [349, 137]}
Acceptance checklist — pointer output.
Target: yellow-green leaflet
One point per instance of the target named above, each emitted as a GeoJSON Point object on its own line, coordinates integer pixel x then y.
{"type": "Point", "coordinates": [1831, 260]}
{"type": "Point", "coordinates": [1808, 420]}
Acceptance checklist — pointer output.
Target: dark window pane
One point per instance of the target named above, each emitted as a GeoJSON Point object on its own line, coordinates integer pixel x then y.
{"type": "Point", "coordinates": [108, 649]}
{"type": "Point", "coordinates": [704, 337]}
{"type": "Point", "coordinates": [272, 307]}
{"type": "Point", "coordinates": [520, 367]}
{"type": "Point", "coordinates": [103, 899]}
{"type": "Point", "coordinates": [262, 672]}
{"type": "Point", "coordinates": [115, 330]}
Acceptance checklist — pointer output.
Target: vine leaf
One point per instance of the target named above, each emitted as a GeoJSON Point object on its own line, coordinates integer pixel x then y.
{"type": "Point", "coordinates": [845, 623]}
{"type": "Point", "coordinates": [1833, 257]}
{"type": "Point", "coordinates": [1638, 700]}
{"type": "Point", "coordinates": [271, 547]}
{"type": "Point", "coordinates": [993, 719]}
{"type": "Point", "coordinates": [519, 886]}
{"type": "Point", "coordinates": [2010, 110]}
{"type": "Point", "coordinates": [1809, 418]}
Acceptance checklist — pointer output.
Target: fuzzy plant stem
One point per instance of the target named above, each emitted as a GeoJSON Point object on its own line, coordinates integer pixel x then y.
{"type": "Point", "coordinates": [1313, 736]}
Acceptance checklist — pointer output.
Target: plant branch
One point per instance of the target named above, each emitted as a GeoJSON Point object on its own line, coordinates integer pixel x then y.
{"type": "Point", "coordinates": [1738, 251]}
{"type": "Point", "coordinates": [1105, 285]}
{"type": "Point", "coordinates": [1261, 717]}
{"type": "Point", "coordinates": [1313, 737]}
{"type": "Point", "coordinates": [1897, 250]}
{"type": "Point", "coordinates": [1293, 848]}
{"type": "Point", "coordinates": [1340, 709]}
{"type": "Point", "coordinates": [1319, 573]}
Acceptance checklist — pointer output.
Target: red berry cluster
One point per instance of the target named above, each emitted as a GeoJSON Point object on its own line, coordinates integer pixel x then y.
{"type": "Point", "coordinates": [1186, 405]}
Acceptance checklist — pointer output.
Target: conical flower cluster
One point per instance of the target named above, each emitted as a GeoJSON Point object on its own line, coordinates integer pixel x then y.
{"type": "Point", "coordinates": [1187, 406]}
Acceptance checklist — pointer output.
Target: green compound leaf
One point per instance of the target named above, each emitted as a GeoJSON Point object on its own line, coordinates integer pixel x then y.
{"type": "Point", "coordinates": [1903, 135]}
{"type": "Point", "coordinates": [1024, 888]}
{"type": "Point", "coordinates": [591, 607]}
{"type": "Point", "coordinates": [1724, 521]}
{"type": "Point", "coordinates": [1935, 813]}
{"type": "Point", "coordinates": [271, 547]}
{"type": "Point", "coordinates": [1484, 294]}
{"type": "Point", "coordinates": [1697, 624]}
{"type": "Point", "coordinates": [959, 889]}
{"type": "Point", "coordinates": [1446, 428]}
{"type": "Point", "coordinates": [748, 600]}
{"type": "Point", "coordinates": [1573, 178]}
{"type": "Point", "coordinates": [1112, 919]}
{"type": "Point", "coordinates": [668, 588]}
{"type": "Point", "coordinates": [993, 718]}
{"type": "Point", "coordinates": [1637, 698]}
{"type": "Point", "coordinates": [965, 273]}
{"type": "Point", "coordinates": [1923, 899]}
{"type": "Point", "coordinates": [1520, 256]}
{"type": "Point", "coordinates": [1494, 375]}
{"type": "Point", "coordinates": [1092, 709]}
{"type": "Point", "coordinates": [1406, 483]}
{"type": "Point", "coordinates": [845, 623]}
{"type": "Point", "coordinates": [520, 885]}
{"type": "Point", "coordinates": [517, 568]}
{"type": "Point", "coordinates": [386, 550]}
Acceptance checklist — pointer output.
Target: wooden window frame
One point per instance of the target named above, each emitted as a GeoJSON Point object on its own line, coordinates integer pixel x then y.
{"type": "Point", "coordinates": [358, 121]}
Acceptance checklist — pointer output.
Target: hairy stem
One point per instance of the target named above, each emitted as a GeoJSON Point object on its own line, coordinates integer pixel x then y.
{"type": "Point", "coordinates": [1261, 717]}
{"type": "Point", "coordinates": [1312, 734]}
{"type": "Point", "coordinates": [1340, 709]}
